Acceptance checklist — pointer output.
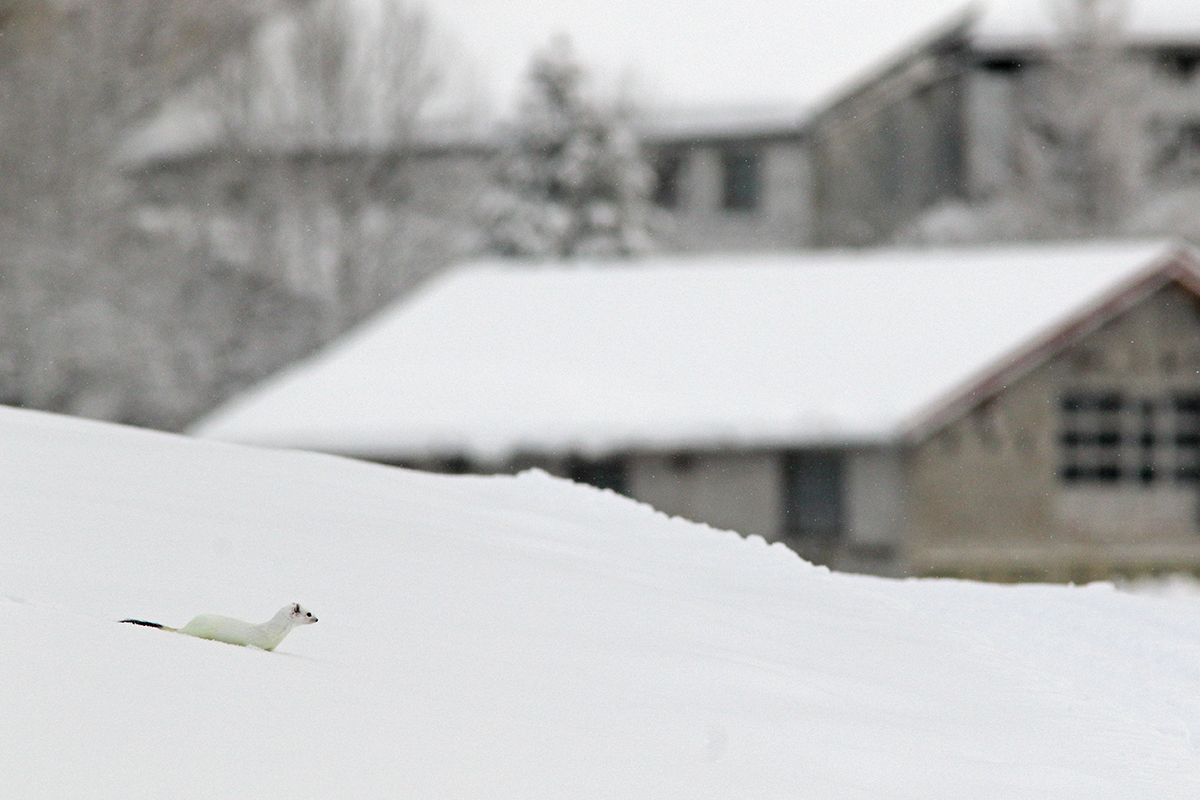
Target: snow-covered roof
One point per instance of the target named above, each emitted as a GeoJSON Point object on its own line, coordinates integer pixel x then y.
{"type": "Point", "coordinates": [680, 352]}
{"type": "Point", "coordinates": [721, 122]}
{"type": "Point", "coordinates": [1142, 21]}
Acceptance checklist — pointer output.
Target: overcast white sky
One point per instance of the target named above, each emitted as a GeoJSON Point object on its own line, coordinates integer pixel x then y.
{"type": "Point", "coordinates": [688, 52]}
{"type": "Point", "coordinates": [715, 52]}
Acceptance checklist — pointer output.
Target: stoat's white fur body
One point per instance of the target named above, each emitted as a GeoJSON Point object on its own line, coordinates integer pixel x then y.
{"type": "Point", "coordinates": [266, 636]}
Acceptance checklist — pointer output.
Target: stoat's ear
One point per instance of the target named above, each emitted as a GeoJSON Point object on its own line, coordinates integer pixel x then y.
{"type": "Point", "coordinates": [295, 608]}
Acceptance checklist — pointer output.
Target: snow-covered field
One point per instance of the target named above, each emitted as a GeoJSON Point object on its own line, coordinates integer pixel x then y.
{"type": "Point", "coordinates": [529, 638]}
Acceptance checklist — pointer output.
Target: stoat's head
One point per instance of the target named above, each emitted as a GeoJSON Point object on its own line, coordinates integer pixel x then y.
{"type": "Point", "coordinates": [301, 615]}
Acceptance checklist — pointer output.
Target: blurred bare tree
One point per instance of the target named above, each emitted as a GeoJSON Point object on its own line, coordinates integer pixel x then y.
{"type": "Point", "coordinates": [572, 179]}
{"type": "Point", "coordinates": [76, 77]}
{"type": "Point", "coordinates": [334, 74]}
{"type": "Point", "coordinates": [113, 308]}
{"type": "Point", "coordinates": [321, 113]}
{"type": "Point", "coordinates": [1078, 158]}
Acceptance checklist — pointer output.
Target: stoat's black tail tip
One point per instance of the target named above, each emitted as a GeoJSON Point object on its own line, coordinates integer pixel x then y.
{"type": "Point", "coordinates": [143, 622]}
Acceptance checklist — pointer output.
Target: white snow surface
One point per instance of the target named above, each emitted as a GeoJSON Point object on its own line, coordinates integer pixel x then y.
{"type": "Point", "coordinates": [501, 637]}
{"type": "Point", "coordinates": [676, 352]}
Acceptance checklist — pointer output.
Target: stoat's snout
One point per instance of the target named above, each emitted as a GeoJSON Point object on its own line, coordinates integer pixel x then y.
{"type": "Point", "coordinates": [301, 615]}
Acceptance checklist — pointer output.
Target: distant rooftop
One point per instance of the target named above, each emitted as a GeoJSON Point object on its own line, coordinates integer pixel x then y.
{"type": "Point", "coordinates": [183, 127]}
{"type": "Point", "coordinates": [185, 131]}
{"type": "Point", "coordinates": [722, 122]}
{"type": "Point", "coordinates": [679, 352]}
{"type": "Point", "coordinates": [1033, 20]}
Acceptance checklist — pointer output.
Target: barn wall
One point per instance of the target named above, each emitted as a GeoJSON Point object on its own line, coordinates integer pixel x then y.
{"type": "Point", "coordinates": [732, 490]}
{"type": "Point", "coordinates": [745, 491]}
{"type": "Point", "coordinates": [989, 494]}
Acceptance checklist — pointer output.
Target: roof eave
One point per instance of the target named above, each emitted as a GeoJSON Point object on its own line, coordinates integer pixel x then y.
{"type": "Point", "coordinates": [1177, 265]}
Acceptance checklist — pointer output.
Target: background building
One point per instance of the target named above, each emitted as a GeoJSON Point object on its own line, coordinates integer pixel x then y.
{"type": "Point", "coordinates": [992, 129]}
{"type": "Point", "coordinates": [730, 180]}
{"type": "Point", "coordinates": [1001, 412]}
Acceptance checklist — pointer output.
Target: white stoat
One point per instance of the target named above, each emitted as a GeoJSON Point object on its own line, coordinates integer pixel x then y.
{"type": "Point", "coordinates": [266, 636]}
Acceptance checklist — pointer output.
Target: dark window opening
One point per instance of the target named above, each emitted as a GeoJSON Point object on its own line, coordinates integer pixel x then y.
{"type": "Point", "coordinates": [741, 179]}
{"type": "Point", "coordinates": [813, 503]}
{"type": "Point", "coordinates": [454, 465]}
{"type": "Point", "coordinates": [1180, 149]}
{"type": "Point", "coordinates": [1187, 138]}
{"type": "Point", "coordinates": [1187, 437]}
{"type": "Point", "coordinates": [1002, 65]}
{"type": "Point", "coordinates": [238, 192]}
{"type": "Point", "coordinates": [668, 175]}
{"type": "Point", "coordinates": [1091, 437]}
{"type": "Point", "coordinates": [1179, 64]}
{"type": "Point", "coordinates": [557, 190]}
{"type": "Point", "coordinates": [682, 462]}
{"type": "Point", "coordinates": [603, 473]}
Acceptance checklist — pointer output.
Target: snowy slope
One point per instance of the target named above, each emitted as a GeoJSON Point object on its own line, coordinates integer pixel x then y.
{"type": "Point", "coordinates": [529, 638]}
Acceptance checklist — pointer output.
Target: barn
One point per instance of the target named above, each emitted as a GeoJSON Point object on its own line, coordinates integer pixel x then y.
{"type": "Point", "coordinates": [1011, 412]}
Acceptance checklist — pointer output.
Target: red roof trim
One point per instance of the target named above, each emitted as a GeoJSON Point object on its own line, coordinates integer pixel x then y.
{"type": "Point", "coordinates": [1179, 266]}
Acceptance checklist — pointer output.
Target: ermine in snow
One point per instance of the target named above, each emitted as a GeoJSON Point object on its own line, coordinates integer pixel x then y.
{"type": "Point", "coordinates": [266, 636]}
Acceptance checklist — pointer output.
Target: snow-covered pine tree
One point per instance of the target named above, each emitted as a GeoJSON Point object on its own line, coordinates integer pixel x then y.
{"type": "Point", "coordinates": [571, 179]}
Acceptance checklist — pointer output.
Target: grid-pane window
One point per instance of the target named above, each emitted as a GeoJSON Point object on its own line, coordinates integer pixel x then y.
{"type": "Point", "coordinates": [1187, 437]}
{"type": "Point", "coordinates": [1110, 437]}
{"type": "Point", "coordinates": [1092, 437]}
